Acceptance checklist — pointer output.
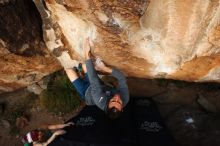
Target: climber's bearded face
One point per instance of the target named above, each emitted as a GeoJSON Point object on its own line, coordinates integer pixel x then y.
{"type": "Point", "coordinates": [116, 102]}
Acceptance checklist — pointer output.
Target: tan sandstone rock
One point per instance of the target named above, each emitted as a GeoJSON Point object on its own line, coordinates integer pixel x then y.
{"type": "Point", "coordinates": [157, 39]}
{"type": "Point", "coordinates": [24, 58]}
{"type": "Point", "coordinates": [148, 39]}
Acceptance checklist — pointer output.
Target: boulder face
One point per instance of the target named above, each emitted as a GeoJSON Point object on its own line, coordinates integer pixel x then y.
{"type": "Point", "coordinates": [147, 39]}
{"type": "Point", "coordinates": [24, 57]}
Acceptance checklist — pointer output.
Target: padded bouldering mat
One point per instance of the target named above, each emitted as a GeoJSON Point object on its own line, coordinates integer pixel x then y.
{"type": "Point", "coordinates": [139, 125]}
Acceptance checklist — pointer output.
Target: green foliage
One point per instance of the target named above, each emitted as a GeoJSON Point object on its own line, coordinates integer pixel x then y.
{"type": "Point", "coordinates": [60, 96]}
{"type": "Point", "coordinates": [14, 130]}
{"type": "Point", "coordinates": [12, 116]}
{"type": "Point", "coordinates": [18, 110]}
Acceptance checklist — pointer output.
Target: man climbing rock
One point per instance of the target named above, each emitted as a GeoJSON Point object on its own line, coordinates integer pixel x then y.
{"type": "Point", "coordinates": [93, 91]}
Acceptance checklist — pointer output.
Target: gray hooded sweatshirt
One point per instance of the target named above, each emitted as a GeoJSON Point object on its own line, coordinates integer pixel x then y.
{"type": "Point", "coordinates": [99, 94]}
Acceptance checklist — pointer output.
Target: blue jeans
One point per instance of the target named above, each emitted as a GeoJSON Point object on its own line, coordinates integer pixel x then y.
{"type": "Point", "coordinates": [81, 85]}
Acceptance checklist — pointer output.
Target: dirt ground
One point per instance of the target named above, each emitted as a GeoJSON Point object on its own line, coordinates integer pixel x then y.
{"type": "Point", "coordinates": [37, 116]}
{"type": "Point", "coordinates": [191, 123]}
